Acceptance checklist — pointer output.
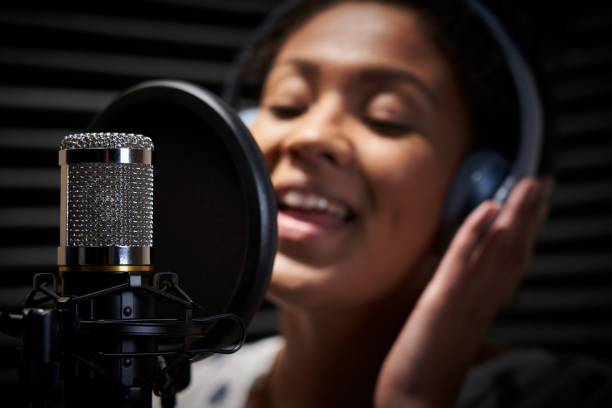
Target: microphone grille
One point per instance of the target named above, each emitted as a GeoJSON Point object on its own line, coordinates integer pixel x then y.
{"type": "Point", "coordinates": [108, 140]}
{"type": "Point", "coordinates": [108, 203]}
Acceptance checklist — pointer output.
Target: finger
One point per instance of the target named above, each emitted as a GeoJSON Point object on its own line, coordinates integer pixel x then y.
{"type": "Point", "coordinates": [470, 233]}
{"type": "Point", "coordinates": [520, 204]}
{"type": "Point", "coordinates": [511, 238]}
{"type": "Point", "coordinates": [525, 213]}
{"type": "Point", "coordinates": [449, 276]}
{"type": "Point", "coordinates": [548, 185]}
{"type": "Point", "coordinates": [535, 220]}
{"type": "Point", "coordinates": [520, 208]}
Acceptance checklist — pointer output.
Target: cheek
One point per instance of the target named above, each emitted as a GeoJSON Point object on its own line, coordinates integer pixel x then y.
{"type": "Point", "coordinates": [405, 176]}
{"type": "Point", "coordinates": [408, 189]}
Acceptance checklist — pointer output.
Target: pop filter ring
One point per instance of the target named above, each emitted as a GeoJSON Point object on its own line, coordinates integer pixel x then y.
{"type": "Point", "coordinates": [251, 169]}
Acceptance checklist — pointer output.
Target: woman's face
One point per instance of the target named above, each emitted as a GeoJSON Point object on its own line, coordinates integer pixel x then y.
{"type": "Point", "coordinates": [361, 124]}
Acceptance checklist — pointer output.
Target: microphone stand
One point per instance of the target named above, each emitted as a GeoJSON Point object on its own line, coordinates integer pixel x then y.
{"type": "Point", "coordinates": [100, 349]}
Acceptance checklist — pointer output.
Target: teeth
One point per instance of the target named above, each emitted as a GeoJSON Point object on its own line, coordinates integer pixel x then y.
{"type": "Point", "coordinates": [311, 202]}
{"type": "Point", "coordinates": [293, 199]}
{"type": "Point", "coordinates": [304, 201]}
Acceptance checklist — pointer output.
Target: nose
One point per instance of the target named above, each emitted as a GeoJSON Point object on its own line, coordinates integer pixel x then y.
{"type": "Point", "coordinates": [320, 135]}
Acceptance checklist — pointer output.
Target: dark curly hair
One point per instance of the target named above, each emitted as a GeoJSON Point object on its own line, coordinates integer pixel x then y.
{"type": "Point", "coordinates": [474, 55]}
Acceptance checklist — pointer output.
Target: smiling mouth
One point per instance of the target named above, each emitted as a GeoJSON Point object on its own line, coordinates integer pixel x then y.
{"type": "Point", "coordinates": [304, 214]}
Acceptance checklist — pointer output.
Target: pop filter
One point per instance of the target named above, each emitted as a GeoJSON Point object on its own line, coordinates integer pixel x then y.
{"type": "Point", "coordinates": [214, 207]}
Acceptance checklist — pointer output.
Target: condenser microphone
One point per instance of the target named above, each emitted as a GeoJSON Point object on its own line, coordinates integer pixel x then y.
{"type": "Point", "coordinates": [106, 205]}
{"type": "Point", "coordinates": [106, 235]}
{"type": "Point", "coordinates": [116, 329]}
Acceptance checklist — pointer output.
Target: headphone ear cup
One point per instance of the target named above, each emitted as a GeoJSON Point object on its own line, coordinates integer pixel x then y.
{"type": "Point", "coordinates": [248, 115]}
{"type": "Point", "coordinates": [478, 178]}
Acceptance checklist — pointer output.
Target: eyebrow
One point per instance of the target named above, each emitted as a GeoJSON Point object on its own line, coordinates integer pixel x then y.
{"type": "Point", "coordinates": [373, 74]}
{"type": "Point", "coordinates": [308, 68]}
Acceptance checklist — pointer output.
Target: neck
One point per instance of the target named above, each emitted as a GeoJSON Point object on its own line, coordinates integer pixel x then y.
{"type": "Point", "coordinates": [332, 357]}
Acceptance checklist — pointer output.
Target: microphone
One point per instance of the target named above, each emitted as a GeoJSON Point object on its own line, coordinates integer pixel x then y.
{"type": "Point", "coordinates": [116, 329]}
{"type": "Point", "coordinates": [106, 206]}
{"type": "Point", "coordinates": [104, 340]}
{"type": "Point", "coordinates": [106, 235]}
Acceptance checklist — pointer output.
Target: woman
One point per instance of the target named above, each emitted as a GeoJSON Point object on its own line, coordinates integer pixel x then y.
{"type": "Point", "coordinates": [363, 121]}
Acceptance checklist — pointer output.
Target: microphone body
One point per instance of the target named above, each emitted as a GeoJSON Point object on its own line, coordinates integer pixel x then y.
{"type": "Point", "coordinates": [106, 235]}
{"type": "Point", "coordinates": [109, 329]}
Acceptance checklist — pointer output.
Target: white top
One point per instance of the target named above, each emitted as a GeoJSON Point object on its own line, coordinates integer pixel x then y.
{"type": "Point", "coordinates": [224, 380]}
{"type": "Point", "coordinates": [523, 378]}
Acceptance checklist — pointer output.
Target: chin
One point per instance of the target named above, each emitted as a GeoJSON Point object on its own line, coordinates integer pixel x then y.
{"type": "Point", "coordinates": [297, 285]}
{"type": "Point", "coordinates": [303, 287]}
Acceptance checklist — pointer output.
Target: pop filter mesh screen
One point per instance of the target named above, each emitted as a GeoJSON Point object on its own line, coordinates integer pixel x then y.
{"type": "Point", "coordinates": [200, 218]}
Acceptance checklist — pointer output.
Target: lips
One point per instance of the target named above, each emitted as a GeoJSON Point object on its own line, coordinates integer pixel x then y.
{"type": "Point", "coordinates": [306, 212]}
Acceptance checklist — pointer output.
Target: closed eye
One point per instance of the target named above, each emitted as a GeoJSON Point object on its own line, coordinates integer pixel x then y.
{"type": "Point", "coordinates": [286, 112]}
{"type": "Point", "coordinates": [387, 127]}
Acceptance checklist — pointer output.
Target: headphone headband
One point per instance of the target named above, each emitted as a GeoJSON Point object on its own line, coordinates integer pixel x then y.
{"type": "Point", "coordinates": [530, 108]}
{"type": "Point", "coordinates": [483, 174]}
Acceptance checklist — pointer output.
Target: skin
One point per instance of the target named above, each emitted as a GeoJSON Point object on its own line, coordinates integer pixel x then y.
{"type": "Point", "coordinates": [361, 107]}
{"type": "Point", "coordinates": [335, 72]}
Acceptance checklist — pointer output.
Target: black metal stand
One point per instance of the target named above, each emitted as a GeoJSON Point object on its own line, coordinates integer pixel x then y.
{"type": "Point", "coordinates": [102, 345]}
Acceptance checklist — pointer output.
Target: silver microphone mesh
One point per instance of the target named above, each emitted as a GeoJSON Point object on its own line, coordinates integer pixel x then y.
{"type": "Point", "coordinates": [108, 203]}
{"type": "Point", "coordinates": [106, 141]}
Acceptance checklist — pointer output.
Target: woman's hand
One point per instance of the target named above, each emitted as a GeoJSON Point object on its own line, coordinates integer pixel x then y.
{"type": "Point", "coordinates": [479, 272]}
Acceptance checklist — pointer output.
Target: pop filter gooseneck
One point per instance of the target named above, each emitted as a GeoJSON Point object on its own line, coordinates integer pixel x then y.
{"type": "Point", "coordinates": [215, 213]}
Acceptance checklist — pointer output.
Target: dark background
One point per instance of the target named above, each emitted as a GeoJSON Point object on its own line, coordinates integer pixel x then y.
{"type": "Point", "coordinates": [61, 63]}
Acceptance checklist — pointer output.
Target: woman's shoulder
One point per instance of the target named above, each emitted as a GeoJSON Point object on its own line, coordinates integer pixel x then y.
{"type": "Point", "coordinates": [538, 378]}
{"type": "Point", "coordinates": [225, 380]}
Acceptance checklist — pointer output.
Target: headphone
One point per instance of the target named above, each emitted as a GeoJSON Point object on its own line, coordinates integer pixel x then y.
{"type": "Point", "coordinates": [483, 174]}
